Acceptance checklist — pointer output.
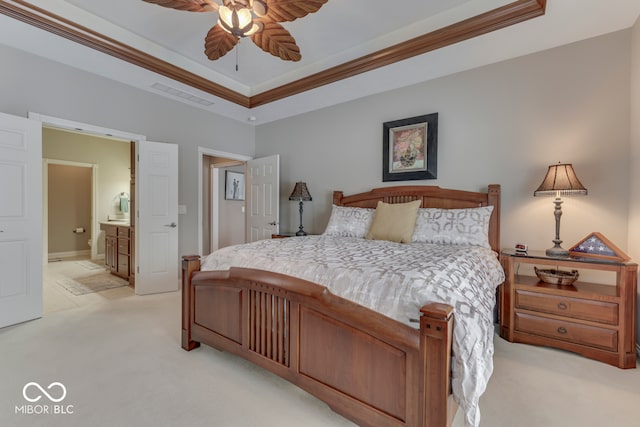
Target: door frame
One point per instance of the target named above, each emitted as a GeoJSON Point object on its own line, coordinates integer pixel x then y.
{"type": "Point", "coordinates": [75, 126]}
{"type": "Point", "coordinates": [204, 151]}
{"type": "Point", "coordinates": [45, 203]}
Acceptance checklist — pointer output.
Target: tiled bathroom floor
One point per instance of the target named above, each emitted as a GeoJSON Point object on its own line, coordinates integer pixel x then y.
{"type": "Point", "coordinates": [57, 298]}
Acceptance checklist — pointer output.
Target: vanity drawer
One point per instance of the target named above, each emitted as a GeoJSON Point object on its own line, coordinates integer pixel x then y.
{"type": "Point", "coordinates": [123, 246]}
{"type": "Point", "coordinates": [123, 232]}
{"type": "Point", "coordinates": [597, 311]}
{"type": "Point", "coordinates": [567, 331]}
{"type": "Point", "coordinates": [109, 230]}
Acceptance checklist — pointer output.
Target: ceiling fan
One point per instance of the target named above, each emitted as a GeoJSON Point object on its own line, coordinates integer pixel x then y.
{"type": "Point", "coordinates": [257, 19]}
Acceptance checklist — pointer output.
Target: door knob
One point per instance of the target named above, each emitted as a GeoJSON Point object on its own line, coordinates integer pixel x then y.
{"type": "Point", "coordinates": [273, 223]}
{"type": "Point", "coordinates": [172, 225]}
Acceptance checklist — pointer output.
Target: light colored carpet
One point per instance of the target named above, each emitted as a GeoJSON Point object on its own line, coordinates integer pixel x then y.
{"type": "Point", "coordinates": [93, 283]}
{"type": "Point", "coordinates": [122, 365]}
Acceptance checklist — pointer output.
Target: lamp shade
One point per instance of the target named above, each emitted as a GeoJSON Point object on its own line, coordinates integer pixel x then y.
{"type": "Point", "coordinates": [300, 192]}
{"type": "Point", "coordinates": [560, 180]}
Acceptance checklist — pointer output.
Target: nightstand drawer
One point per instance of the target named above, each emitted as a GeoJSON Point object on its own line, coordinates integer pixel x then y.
{"type": "Point", "coordinates": [597, 311]}
{"type": "Point", "coordinates": [567, 331]}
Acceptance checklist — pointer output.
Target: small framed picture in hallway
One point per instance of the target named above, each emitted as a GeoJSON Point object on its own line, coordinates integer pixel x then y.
{"type": "Point", "coordinates": [234, 186]}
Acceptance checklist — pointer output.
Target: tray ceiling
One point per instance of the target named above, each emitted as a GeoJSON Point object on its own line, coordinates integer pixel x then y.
{"type": "Point", "coordinates": [344, 46]}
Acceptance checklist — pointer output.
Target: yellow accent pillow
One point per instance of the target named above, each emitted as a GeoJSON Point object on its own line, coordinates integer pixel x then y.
{"type": "Point", "coordinates": [394, 222]}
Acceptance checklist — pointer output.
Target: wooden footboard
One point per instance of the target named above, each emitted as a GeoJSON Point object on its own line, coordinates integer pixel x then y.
{"type": "Point", "coordinates": [369, 368]}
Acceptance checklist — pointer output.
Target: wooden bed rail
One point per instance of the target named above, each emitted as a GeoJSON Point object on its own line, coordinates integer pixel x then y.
{"type": "Point", "coordinates": [372, 370]}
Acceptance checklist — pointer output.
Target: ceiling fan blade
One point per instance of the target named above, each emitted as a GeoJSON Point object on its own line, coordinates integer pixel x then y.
{"type": "Point", "coordinates": [277, 41]}
{"type": "Point", "coordinates": [289, 10]}
{"type": "Point", "coordinates": [188, 5]}
{"type": "Point", "coordinates": [218, 42]}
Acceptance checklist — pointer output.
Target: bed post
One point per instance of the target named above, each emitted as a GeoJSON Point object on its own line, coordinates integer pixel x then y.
{"type": "Point", "coordinates": [337, 197]}
{"type": "Point", "coordinates": [436, 329]}
{"type": "Point", "coordinates": [493, 196]}
{"type": "Point", "coordinates": [190, 263]}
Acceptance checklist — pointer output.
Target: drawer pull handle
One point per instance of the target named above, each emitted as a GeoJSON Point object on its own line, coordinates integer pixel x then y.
{"type": "Point", "coordinates": [562, 330]}
{"type": "Point", "coordinates": [562, 306]}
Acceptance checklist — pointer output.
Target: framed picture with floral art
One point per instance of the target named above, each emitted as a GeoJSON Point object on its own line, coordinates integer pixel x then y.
{"type": "Point", "coordinates": [410, 148]}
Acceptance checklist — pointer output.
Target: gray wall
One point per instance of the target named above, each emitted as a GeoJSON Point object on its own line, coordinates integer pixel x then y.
{"type": "Point", "coordinates": [503, 123]}
{"type": "Point", "coordinates": [32, 84]}
{"type": "Point", "coordinates": [634, 181]}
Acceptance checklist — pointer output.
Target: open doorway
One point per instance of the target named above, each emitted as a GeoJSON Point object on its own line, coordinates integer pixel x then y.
{"type": "Point", "coordinates": [154, 272]}
{"type": "Point", "coordinates": [86, 179]}
{"type": "Point", "coordinates": [223, 216]}
{"type": "Point", "coordinates": [70, 202]}
{"type": "Point", "coordinates": [210, 166]}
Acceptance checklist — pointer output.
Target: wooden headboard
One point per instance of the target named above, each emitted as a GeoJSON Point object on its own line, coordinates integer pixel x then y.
{"type": "Point", "coordinates": [432, 197]}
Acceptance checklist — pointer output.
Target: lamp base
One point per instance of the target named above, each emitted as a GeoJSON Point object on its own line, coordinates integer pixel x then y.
{"type": "Point", "coordinates": [301, 233]}
{"type": "Point", "coordinates": [557, 252]}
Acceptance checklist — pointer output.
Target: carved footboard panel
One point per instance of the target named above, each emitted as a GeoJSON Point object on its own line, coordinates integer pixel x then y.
{"type": "Point", "coordinates": [365, 366]}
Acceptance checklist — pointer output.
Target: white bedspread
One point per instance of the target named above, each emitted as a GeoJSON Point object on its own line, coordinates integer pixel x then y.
{"type": "Point", "coordinates": [396, 280]}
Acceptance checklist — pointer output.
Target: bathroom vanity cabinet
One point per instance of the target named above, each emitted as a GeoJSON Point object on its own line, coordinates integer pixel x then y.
{"type": "Point", "coordinates": [118, 253]}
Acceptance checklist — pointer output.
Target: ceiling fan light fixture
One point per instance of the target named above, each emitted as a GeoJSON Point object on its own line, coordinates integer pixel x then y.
{"type": "Point", "coordinates": [238, 22]}
{"type": "Point", "coordinates": [258, 19]}
{"type": "Point", "coordinates": [257, 26]}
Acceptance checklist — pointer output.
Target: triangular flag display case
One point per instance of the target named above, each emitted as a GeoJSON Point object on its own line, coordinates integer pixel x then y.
{"type": "Point", "coordinates": [595, 245]}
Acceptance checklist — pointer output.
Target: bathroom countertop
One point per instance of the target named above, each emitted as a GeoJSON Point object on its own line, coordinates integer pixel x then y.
{"type": "Point", "coordinates": [123, 222]}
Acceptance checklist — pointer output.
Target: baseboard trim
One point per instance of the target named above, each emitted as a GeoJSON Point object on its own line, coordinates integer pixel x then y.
{"type": "Point", "coordinates": [54, 255]}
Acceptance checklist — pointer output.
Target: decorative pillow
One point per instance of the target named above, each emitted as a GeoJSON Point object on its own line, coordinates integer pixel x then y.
{"type": "Point", "coordinates": [453, 226]}
{"type": "Point", "coordinates": [349, 222]}
{"type": "Point", "coordinates": [394, 222]}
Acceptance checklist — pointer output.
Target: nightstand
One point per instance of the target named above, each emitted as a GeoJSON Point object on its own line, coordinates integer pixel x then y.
{"type": "Point", "coordinates": [595, 320]}
{"type": "Point", "coordinates": [286, 234]}
{"type": "Point", "coordinates": [282, 235]}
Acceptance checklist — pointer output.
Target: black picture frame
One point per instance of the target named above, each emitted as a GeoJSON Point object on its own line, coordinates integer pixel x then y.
{"type": "Point", "coordinates": [410, 148]}
{"type": "Point", "coordinates": [234, 185]}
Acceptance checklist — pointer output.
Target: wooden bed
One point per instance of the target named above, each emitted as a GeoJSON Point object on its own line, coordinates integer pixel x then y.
{"type": "Point", "coordinates": [368, 367]}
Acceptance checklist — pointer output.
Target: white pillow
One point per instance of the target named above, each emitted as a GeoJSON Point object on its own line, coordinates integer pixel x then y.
{"type": "Point", "coordinates": [453, 226]}
{"type": "Point", "coordinates": [349, 222]}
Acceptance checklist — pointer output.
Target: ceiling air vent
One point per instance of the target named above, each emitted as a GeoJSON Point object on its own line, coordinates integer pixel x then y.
{"type": "Point", "coordinates": [180, 94]}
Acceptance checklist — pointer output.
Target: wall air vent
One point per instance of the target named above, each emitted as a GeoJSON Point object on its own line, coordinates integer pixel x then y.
{"type": "Point", "coordinates": [181, 94]}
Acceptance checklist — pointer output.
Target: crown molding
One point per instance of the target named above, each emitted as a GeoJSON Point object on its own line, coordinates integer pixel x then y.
{"type": "Point", "coordinates": [55, 24]}
{"type": "Point", "coordinates": [487, 22]}
{"type": "Point", "coordinates": [510, 14]}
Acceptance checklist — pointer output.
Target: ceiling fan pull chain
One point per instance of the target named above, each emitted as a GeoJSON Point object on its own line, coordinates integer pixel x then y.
{"type": "Point", "coordinates": [237, 48]}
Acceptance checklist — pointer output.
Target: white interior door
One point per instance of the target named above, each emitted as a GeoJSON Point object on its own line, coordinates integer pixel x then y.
{"type": "Point", "coordinates": [20, 219]}
{"type": "Point", "coordinates": [156, 253]}
{"type": "Point", "coordinates": [262, 195]}
{"type": "Point", "coordinates": [214, 214]}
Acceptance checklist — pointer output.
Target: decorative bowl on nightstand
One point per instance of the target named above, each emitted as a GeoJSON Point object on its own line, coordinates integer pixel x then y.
{"type": "Point", "coordinates": [557, 277]}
